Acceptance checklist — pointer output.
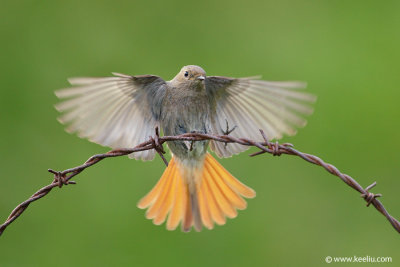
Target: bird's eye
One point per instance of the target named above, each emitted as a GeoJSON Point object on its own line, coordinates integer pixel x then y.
{"type": "Point", "coordinates": [186, 73]}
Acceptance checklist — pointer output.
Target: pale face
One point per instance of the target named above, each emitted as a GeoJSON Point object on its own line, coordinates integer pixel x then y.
{"type": "Point", "coordinates": [191, 73]}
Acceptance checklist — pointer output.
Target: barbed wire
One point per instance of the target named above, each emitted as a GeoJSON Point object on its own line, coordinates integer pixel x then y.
{"type": "Point", "coordinates": [64, 177]}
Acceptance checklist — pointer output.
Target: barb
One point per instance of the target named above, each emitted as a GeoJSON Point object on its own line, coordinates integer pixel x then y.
{"type": "Point", "coordinates": [64, 177]}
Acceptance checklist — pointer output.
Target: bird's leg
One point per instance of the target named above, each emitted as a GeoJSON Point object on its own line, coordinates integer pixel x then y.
{"type": "Point", "coordinates": [228, 131]}
{"type": "Point", "coordinates": [192, 142]}
{"type": "Point", "coordinates": [158, 146]}
{"type": "Point", "coordinates": [189, 144]}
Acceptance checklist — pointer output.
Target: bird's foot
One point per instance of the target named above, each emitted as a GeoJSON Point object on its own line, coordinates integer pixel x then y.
{"type": "Point", "coordinates": [227, 131]}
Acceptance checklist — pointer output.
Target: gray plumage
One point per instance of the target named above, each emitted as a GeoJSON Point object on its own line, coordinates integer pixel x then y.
{"type": "Point", "coordinates": [122, 111]}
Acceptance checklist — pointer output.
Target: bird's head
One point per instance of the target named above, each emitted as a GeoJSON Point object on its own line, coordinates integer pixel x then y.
{"type": "Point", "coordinates": [191, 75]}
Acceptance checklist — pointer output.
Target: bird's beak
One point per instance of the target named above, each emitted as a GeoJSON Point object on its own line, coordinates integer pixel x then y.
{"type": "Point", "coordinates": [201, 78]}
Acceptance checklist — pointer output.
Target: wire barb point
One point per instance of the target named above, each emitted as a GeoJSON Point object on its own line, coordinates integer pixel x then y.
{"type": "Point", "coordinates": [60, 178]}
{"type": "Point", "coordinates": [368, 196]}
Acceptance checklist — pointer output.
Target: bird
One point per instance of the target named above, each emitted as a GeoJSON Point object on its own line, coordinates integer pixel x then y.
{"type": "Point", "coordinates": [195, 190]}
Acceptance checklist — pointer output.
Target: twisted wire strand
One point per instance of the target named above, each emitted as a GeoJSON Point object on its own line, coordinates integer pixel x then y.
{"type": "Point", "coordinates": [62, 178]}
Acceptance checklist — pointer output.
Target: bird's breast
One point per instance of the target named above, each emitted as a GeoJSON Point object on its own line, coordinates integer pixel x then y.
{"type": "Point", "coordinates": [185, 113]}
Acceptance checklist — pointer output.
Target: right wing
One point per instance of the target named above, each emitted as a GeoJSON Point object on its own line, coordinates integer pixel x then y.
{"type": "Point", "coordinates": [118, 112]}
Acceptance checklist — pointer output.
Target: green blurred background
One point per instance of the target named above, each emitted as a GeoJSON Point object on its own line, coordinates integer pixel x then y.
{"type": "Point", "coordinates": [347, 51]}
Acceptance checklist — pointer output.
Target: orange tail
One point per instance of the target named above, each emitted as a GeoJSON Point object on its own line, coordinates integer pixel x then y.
{"type": "Point", "coordinates": [216, 194]}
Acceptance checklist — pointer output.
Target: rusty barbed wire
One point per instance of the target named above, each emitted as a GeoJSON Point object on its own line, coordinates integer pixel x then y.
{"type": "Point", "coordinates": [156, 142]}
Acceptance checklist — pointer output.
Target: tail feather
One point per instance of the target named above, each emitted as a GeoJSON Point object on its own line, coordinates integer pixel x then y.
{"type": "Point", "coordinates": [229, 179]}
{"type": "Point", "coordinates": [177, 207]}
{"type": "Point", "coordinates": [187, 219]}
{"type": "Point", "coordinates": [154, 210]}
{"type": "Point", "coordinates": [167, 203]}
{"type": "Point", "coordinates": [203, 207]}
{"type": "Point", "coordinates": [223, 203]}
{"type": "Point", "coordinates": [149, 199]}
{"type": "Point", "coordinates": [231, 196]}
{"type": "Point", "coordinates": [206, 196]}
{"type": "Point", "coordinates": [215, 211]}
{"type": "Point", "coordinates": [194, 201]}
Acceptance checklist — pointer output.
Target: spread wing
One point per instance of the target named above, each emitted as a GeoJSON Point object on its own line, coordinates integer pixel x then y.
{"type": "Point", "coordinates": [118, 112]}
{"type": "Point", "coordinates": [250, 104]}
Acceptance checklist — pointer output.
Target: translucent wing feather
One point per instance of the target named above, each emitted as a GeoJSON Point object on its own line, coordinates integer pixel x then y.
{"type": "Point", "coordinates": [119, 112]}
{"type": "Point", "coordinates": [249, 105]}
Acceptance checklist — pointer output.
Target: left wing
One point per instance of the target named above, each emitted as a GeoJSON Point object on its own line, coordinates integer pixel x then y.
{"type": "Point", "coordinates": [249, 105]}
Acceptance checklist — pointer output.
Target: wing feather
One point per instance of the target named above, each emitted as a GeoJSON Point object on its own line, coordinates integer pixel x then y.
{"type": "Point", "coordinates": [249, 104]}
{"type": "Point", "coordinates": [119, 112]}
